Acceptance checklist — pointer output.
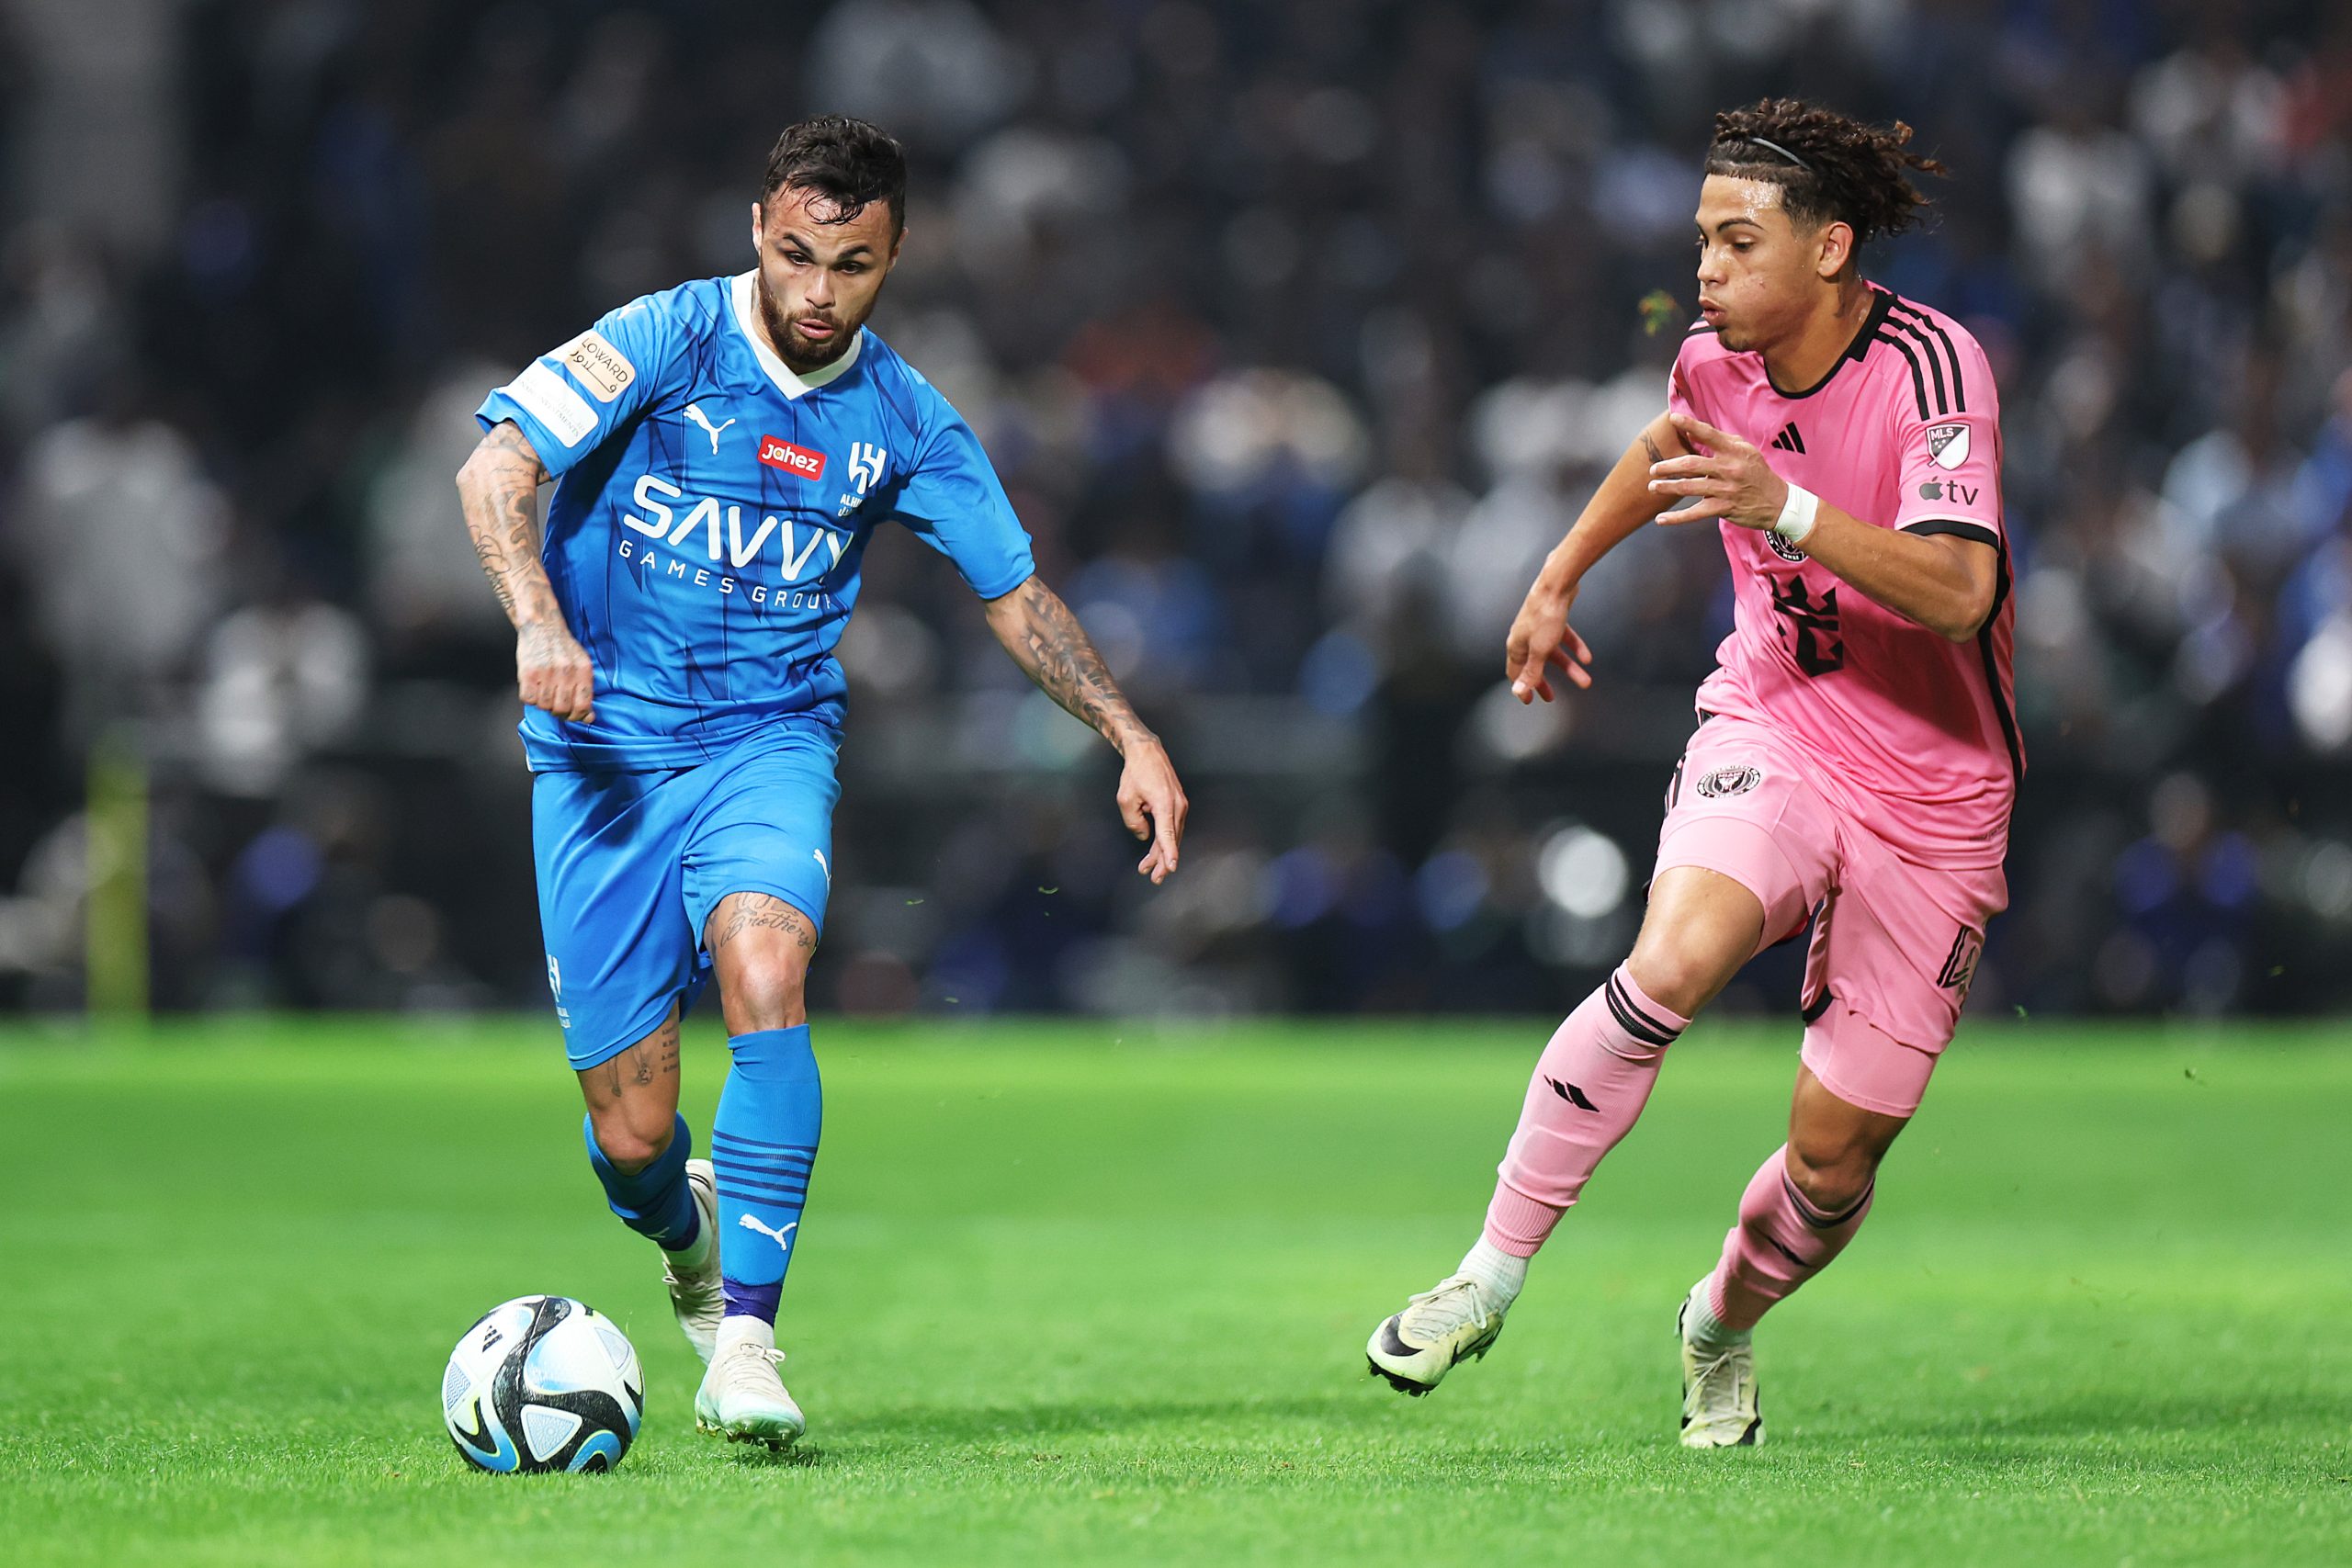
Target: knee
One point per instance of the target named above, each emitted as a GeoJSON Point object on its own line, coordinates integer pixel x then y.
{"type": "Point", "coordinates": [767, 993]}
{"type": "Point", "coordinates": [631, 1137]}
{"type": "Point", "coordinates": [1833, 1178]}
{"type": "Point", "coordinates": [1672, 973]}
{"type": "Point", "coordinates": [1701, 926]}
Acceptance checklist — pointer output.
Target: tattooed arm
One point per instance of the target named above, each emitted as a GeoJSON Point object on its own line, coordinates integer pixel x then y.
{"type": "Point", "coordinates": [1541, 637]}
{"type": "Point", "coordinates": [498, 488]}
{"type": "Point", "coordinates": [1046, 641]}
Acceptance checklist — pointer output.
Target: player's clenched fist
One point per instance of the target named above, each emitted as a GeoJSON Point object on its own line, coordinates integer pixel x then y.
{"type": "Point", "coordinates": [1733, 481]}
{"type": "Point", "coordinates": [552, 671]}
{"type": "Point", "coordinates": [1540, 641]}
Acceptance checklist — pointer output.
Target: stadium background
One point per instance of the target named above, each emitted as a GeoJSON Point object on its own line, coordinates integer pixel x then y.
{"type": "Point", "coordinates": [1298, 333]}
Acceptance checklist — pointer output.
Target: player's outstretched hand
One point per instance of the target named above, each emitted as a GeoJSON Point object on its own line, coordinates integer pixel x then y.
{"type": "Point", "coordinates": [552, 671]}
{"type": "Point", "coordinates": [1540, 641]}
{"type": "Point", "coordinates": [1733, 481]}
{"type": "Point", "coordinates": [1153, 806]}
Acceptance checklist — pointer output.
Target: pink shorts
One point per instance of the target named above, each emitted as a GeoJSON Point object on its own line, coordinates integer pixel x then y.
{"type": "Point", "coordinates": [1895, 943]}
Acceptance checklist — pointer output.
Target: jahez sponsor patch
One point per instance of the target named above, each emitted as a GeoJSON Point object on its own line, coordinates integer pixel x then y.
{"type": "Point", "coordinates": [778, 453]}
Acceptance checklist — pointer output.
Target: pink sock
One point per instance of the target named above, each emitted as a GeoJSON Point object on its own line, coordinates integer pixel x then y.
{"type": "Point", "coordinates": [1588, 1087]}
{"type": "Point", "coordinates": [1781, 1242]}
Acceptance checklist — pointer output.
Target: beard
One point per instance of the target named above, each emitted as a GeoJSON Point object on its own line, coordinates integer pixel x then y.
{"type": "Point", "coordinates": [799, 352]}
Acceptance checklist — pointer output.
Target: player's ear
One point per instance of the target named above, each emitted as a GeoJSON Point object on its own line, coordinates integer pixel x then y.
{"type": "Point", "coordinates": [759, 227]}
{"type": "Point", "coordinates": [1837, 249]}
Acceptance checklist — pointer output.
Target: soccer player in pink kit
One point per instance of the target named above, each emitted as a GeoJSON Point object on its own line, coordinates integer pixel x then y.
{"type": "Point", "coordinates": [1855, 758]}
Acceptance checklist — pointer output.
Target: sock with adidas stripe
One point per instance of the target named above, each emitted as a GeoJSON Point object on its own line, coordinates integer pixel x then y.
{"type": "Point", "coordinates": [1590, 1085]}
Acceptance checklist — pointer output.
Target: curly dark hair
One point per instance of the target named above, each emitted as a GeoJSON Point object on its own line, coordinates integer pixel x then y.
{"type": "Point", "coordinates": [1830, 169]}
{"type": "Point", "coordinates": [852, 164]}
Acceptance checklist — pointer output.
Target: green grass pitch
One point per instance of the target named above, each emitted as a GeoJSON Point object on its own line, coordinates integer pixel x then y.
{"type": "Point", "coordinates": [1065, 1298]}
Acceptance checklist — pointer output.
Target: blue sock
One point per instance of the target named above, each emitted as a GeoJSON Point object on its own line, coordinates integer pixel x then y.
{"type": "Point", "coordinates": [764, 1144]}
{"type": "Point", "coordinates": [655, 1202]}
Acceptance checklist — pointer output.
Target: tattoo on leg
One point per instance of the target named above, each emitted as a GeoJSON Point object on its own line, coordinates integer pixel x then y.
{"type": "Point", "coordinates": [654, 1057]}
{"type": "Point", "coordinates": [655, 1054]}
{"type": "Point", "coordinates": [749, 911]}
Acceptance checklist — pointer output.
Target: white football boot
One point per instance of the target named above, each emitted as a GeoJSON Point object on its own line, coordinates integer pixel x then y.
{"type": "Point", "coordinates": [694, 1294]}
{"type": "Point", "coordinates": [744, 1400]}
{"type": "Point", "coordinates": [1719, 1405]}
{"type": "Point", "coordinates": [1439, 1328]}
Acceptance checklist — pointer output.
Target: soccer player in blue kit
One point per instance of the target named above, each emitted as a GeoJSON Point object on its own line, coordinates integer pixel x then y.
{"type": "Point", "coordinates": [723, 453]}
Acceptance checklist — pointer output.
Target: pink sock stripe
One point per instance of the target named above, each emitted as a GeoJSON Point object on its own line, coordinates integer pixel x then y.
{"type": "Point", "coordinates": [1633, 1005]}
{"type": "Point", "coordinates": [1811, 1214]}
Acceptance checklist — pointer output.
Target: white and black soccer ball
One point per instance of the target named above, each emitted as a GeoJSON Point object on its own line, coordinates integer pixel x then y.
{"type": "Point", "coordinates": [540, 1384]}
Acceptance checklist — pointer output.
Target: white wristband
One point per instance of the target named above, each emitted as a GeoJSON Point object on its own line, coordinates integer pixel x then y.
{"type": "Point", "coordinates": [1796, 519]}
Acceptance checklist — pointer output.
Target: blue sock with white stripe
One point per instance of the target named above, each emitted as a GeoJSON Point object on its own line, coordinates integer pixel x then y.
{"type": "Point", "coordinates": [762, 1145]}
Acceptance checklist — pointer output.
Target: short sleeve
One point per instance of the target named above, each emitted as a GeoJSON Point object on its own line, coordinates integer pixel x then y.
{"type": "Point", "coordinates": [954, 500]}
{"type": "Point", "coordinates": [1681, 398]}
{"type": "Point", "coordinates": [571, 399]}
{"type": "Point", "coordinates": [1951, 459]}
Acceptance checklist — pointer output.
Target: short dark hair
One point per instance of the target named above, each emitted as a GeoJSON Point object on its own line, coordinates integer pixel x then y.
{"type": "Point", "coordinates": [850, 162]}
{"type": "Point", "coordinates": [1829, 168]}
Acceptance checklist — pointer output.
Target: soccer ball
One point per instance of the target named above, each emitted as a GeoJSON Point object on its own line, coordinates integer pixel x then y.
{"type": "Point", "coordinates": [543, 1382]}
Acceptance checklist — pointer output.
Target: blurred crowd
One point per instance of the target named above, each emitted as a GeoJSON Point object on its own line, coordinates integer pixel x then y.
{"type": "Point", "coordinates": [1298, 332]}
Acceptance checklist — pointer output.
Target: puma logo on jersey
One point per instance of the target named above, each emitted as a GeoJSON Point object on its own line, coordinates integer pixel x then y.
{"type": "Point", "coordinates": [783, 1238]}
{"type": "Point", "coordinates": [823, 867]}
{"type": "Point", "coordinates": [694, 411]}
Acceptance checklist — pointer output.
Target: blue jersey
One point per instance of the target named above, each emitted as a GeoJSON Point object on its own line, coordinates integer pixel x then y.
{"type": "Point", "coordinates": [711, 511]}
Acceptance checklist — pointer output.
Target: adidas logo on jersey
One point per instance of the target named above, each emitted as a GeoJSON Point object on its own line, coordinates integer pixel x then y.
{"type": "Point", "coordinates": [1788, 440]}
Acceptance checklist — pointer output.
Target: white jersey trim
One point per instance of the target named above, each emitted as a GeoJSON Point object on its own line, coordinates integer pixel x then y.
{"type": "Point", "coordinates": [550, 399]}
{"type": "Point", "coordinates": [788, 381]}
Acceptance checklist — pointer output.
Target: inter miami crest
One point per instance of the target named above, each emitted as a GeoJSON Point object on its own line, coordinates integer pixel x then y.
{"type": "Point", "coordinates": [1726, 782]}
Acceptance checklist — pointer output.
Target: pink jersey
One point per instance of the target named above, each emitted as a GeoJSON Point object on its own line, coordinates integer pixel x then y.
{"type": "Point", "coordinates": [1915, 733]}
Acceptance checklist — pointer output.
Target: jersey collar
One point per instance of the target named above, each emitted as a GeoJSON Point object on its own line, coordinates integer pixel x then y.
{"type": "Point", "coordinates": [1881, 303]}
{"type": "Point", "coordinates": [788, 381]}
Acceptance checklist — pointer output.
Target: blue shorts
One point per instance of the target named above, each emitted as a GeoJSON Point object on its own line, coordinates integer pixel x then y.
{"type": "Point", "coordinates": [630, 866]}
